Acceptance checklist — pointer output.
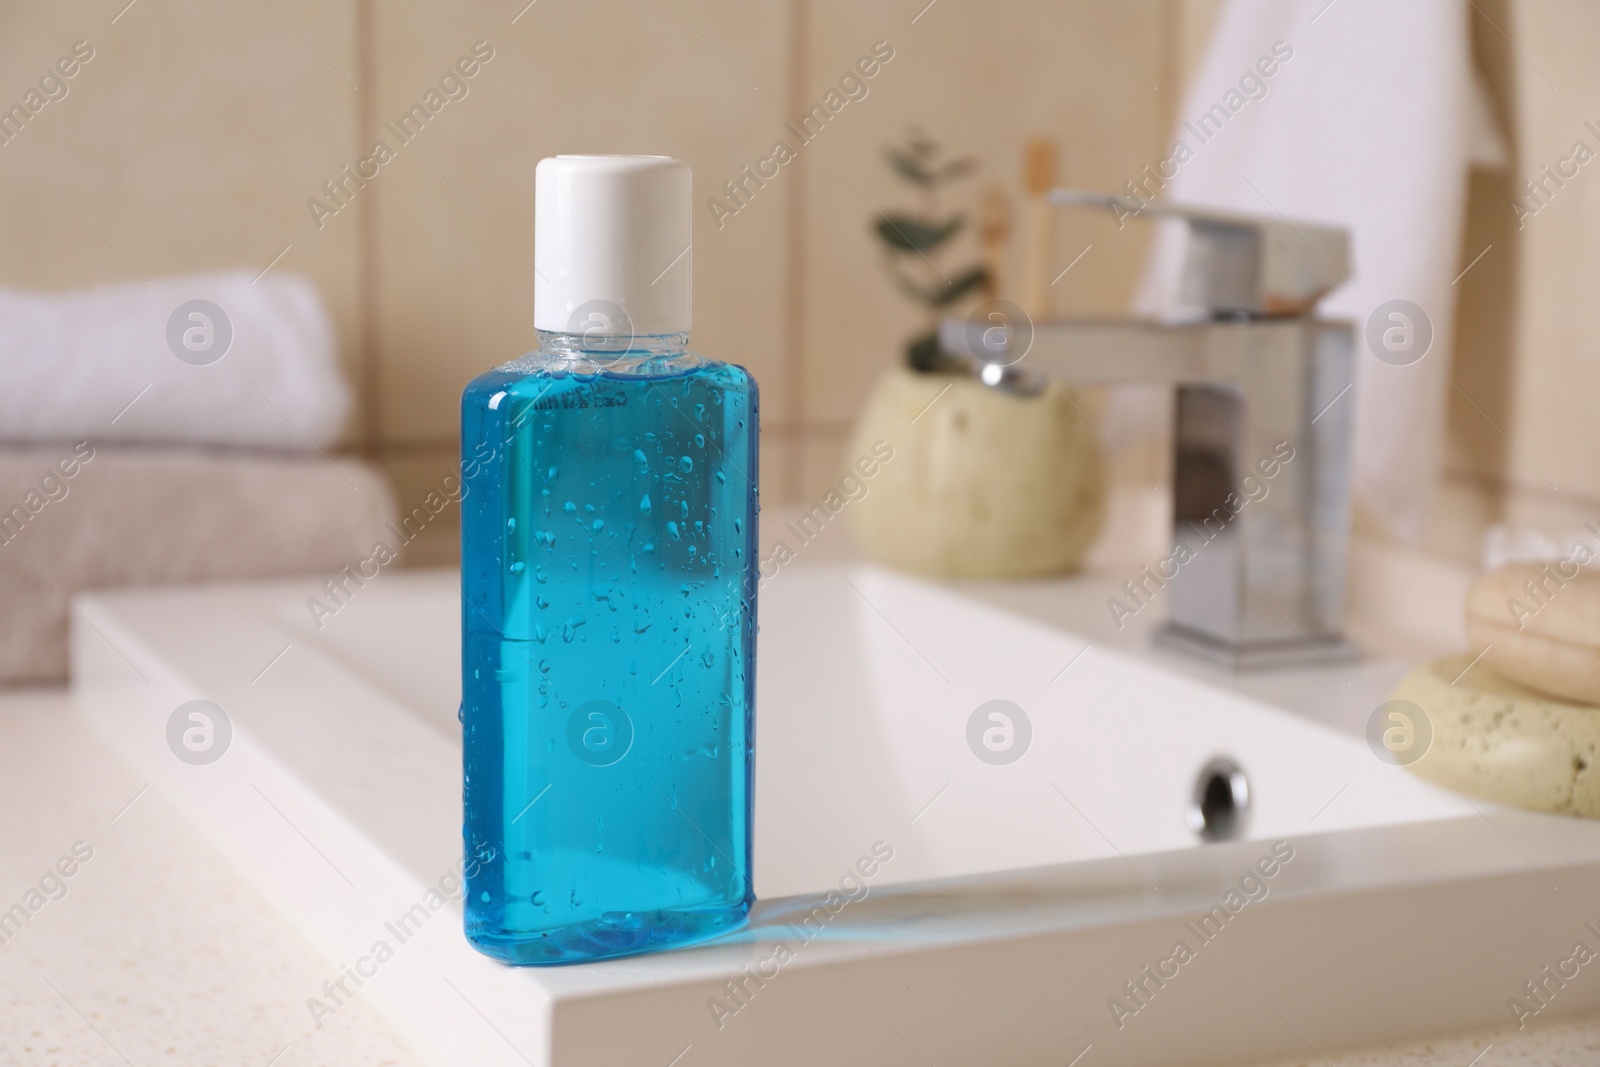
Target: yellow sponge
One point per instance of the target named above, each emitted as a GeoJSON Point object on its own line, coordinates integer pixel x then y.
{"type": "Point", "coordinates": [1500, 740]}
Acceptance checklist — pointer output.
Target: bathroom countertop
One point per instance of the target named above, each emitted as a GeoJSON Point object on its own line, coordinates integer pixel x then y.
{"type": "Point", "coordinates": [1559, 1043]}
{"type": "Point", "coordinates": [159, 952]}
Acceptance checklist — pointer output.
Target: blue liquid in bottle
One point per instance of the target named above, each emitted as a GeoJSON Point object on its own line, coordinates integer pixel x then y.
{"type": "Point", "coordinates": [608, 626]}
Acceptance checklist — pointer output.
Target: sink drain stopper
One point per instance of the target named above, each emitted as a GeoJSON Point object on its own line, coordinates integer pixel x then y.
{"type": "Point", "coordinates": [1221, 804]}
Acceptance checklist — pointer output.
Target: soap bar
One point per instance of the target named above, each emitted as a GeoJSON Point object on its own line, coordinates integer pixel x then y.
{"type": "Point", "coordinates": [1504, 742]}
{"type": "Point", "coordinates": [1541, 626]}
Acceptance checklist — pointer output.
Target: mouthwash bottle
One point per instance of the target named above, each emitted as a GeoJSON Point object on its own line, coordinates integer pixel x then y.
{"type": "Point", "coordinates": [608, 586]}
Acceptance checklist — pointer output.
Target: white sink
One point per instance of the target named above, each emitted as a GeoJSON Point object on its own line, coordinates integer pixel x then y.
{"type": "Point", "coordinates": [883, 703]}
{"type": "Point", "coordinates": [1019, 899]}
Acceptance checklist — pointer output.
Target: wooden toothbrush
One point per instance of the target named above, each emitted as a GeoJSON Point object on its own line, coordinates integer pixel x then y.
{"type": "Point", "coordinates": [1038, 236]}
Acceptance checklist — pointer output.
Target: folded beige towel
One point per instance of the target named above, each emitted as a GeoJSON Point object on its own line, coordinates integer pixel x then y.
{"type": "Point", "coordinates": [85, 516]}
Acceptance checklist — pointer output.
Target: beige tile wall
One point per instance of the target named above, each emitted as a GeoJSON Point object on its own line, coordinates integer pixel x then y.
{"type": "Point", "coordinates": [1556, 379]}
{"type": "Point", "coordinates": [199, 130]}
{"type": "Point", "coordinates": [1524, 445]}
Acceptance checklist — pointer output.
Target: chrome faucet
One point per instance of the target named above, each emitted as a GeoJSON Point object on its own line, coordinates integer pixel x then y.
{"type": "Point", "coordinates": [1258, 379]}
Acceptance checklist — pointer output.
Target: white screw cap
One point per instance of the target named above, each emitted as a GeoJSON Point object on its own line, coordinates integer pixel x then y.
{"type": "Point", "coordinates": [611, 245]}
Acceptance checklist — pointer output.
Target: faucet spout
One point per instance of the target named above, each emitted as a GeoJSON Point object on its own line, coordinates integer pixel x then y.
{"type": "Point", "coordinates": [1261, 473]}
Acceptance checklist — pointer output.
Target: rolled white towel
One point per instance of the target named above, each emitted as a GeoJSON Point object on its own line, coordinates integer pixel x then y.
{"type": "Point", "coordinates": [255, 364]}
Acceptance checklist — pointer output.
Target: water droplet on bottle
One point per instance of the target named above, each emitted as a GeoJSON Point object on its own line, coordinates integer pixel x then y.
{"type": "Point", "coordinates": [672, 530]}
{"type": "Point", "coordinates": [518, 567]}
{"type": "Point", "coordinates": [598, 525]}
{"type": "Point", "coordinates": [685, 464]}
{"type": "Point", "coordinates": [570, 508]}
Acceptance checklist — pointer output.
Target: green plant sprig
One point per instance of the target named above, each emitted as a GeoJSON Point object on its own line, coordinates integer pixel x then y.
{"type": "Point", "coordinates": [913, 242]}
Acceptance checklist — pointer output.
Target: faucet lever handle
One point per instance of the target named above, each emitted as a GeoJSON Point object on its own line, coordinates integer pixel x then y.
{"type": "Point", "coordinates": [1239, 263]}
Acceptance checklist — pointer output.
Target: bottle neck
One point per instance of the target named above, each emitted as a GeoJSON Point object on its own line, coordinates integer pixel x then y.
{"type": "Point", "coordinates": [598, 348]}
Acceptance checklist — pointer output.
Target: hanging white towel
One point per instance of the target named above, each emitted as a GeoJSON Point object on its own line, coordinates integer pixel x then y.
{"type": "Point", "coordinates": [1371, 123]}
{"type": "Point", "coordinates": [254, 365]}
